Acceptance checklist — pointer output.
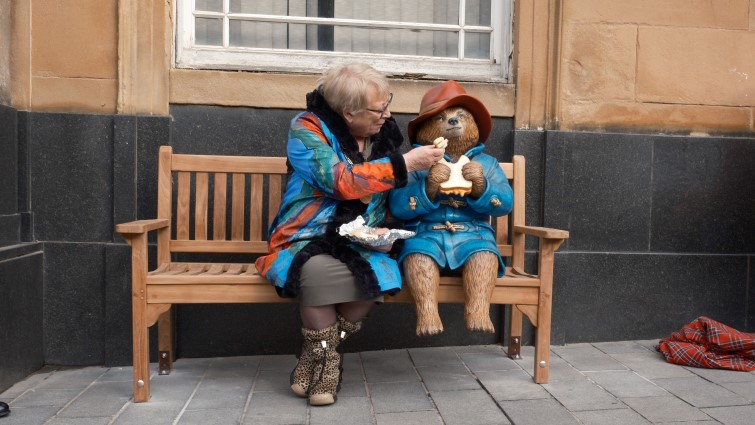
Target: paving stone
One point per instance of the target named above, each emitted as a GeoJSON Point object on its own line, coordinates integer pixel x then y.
{"type": "Point", "coordinates": [665, 409]}
{"type": "Point", "coordinates": [585, 357]}
{"type": "Point", "coordinates": [468, 408]}
{"type": "Point", "coordinates": [352, 389]}
{"type": "Point", "coordinates": [221, 393]}
{"type": "Point", "coordinates": [720, 376]}
{"type": "Point", "coordinates": [615, 416]}
{"type": "Point", "coordinates": [73, 378]}
{"type": "Point", "coordinates": [434, 356]}
{"type": "Point", "coordinates": [733, 415]}
{"type": "Point", "coordinates": [347, 411]}
{"type": "Point", "coordinates": [30, 382]}
{"type": "Point", "coordinates": [537, 412]}
{"type": "Point", "coordinates": [448, 378]}
{"type": "Point", "coordinates": [560, 370]}
{"type": "Point", "coordinates": [411, 386]}
{"type": "Point", "coordinates": [745, 389]}
{"type": "Point", "coordinates": [117, 374]}
{"type": "Point", "coordinates": [190, 367]}
{"type": "Point", "coordinates": [352, 369]}
{"type": "Point", "coordinates": [173, 387]}
{"type": "Point", "coordinates": [649, 344]}
{"type": "Point", "coordinates": [210, 417]}
{"type": "Point", "coordinates": [29, 415]}
{"type": "Point", "coordinates": [232, 367]}
{"type": "Point", "coordinates": [652, 365]}
{"type": "Point", "coordinates": [388, 366]}
{"type": "Point", "coordinates": [409, 418]}
{"type": "Point", "coordinates": [152, 413]}
{"type": "Point", "coordinates": [617, 347]}
{"type": "Point", "coordinates": [399, 397]}
{"type": "Point", "coordinates": [477, 362]}
{"type": "Point", "coordinates": [100, 399]}
{"type": "Point", "coordinates": [582, 395]}
{"type": "Point", "coordinates": [701, 393]}
{"type": "Point", "coordinates": [287, 361]}
{"type": "Point", "coordinates": [511, 385]}
{"type": "Point", "coordinates": [273, 380]}
{"type": "Point", "coordinates": [45, 397]}
{"type": "Point", "coordinates": [626, 383]}
{"type": "Point", "coordinates": [484, 348]}
{"type": "Point", "coordinates": [79, 421]}
{"type": "Point", "coordinates": [276, 408]}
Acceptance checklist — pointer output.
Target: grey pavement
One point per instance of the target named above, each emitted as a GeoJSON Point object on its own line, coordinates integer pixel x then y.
{"type": "Point", "coordinates": [624, 382]}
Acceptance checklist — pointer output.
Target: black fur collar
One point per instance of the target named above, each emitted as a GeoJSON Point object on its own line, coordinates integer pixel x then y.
{"type": "Point", "coordinates": [387, 141]}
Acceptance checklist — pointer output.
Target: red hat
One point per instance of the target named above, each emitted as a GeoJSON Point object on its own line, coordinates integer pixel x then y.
{"type": "Point", "coordinates": [450, 93]}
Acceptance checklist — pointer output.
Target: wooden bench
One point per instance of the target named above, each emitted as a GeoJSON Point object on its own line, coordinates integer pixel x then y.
{"type": "Point", "coordinates": [223, 204]}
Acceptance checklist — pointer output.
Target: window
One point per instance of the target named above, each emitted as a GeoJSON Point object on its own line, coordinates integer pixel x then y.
{"type": "Point", "coordinates": [461, 39]}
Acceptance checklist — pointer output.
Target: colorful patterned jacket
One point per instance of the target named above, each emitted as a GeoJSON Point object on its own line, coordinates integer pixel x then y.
{"type": "Point", "coordinates": [471, 231]}
{"type": "Point", "coordinates": [327, 176]}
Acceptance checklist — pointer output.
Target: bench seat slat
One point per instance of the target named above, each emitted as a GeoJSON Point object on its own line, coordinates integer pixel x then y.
{"type": "Point", "coordinates": [243, 247]}
{"type": "Point", "coordinates": [215, 294]}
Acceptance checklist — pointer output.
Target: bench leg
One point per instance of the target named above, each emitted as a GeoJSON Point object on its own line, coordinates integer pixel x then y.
{"type": "Point", "coordinates": [515, 332]}
{"type": "Point", "coordinates": [165, 342]}
{"type": "Point", "coordinates": [140, 331]}
{"type": "Point", "coordinates": [544, 306]}
{"type": "Point", "coordinates": [543, 350]}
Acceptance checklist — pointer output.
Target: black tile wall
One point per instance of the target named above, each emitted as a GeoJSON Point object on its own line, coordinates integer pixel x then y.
{"type": "Point", "coordinates": [613, 296]}
{"type": "Point", "coordinates": [74, 303]}
{"type": "Point", "coordinates": [229, 131]}
{"type": "Point", "coordinates": [703, 195]}
{"type": "Point", "coordinates": [530, 144]}
{"type": "Point", "coordinates": [21, 334]}
{"type": "Point", "coordinates": [263, 132]}
{"type": "Point", "coordinates": [8, 161]}
{"type": "Point", "coordinates": [751, 296]}
{"type": "Point", "coordinates": [598, 186]}
{"type": "Point", "coordinates": [71, 168]}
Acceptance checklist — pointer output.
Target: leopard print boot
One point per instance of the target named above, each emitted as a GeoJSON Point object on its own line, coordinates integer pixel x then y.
{"type": "Point", "coordinates": [346, 330]}
{"type": "Point", "coordinates": [326, 375]}
{"type": "Point", "coordinates": [302, 373]}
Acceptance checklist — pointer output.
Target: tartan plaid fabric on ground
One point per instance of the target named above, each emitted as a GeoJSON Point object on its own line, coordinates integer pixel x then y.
{"type": "Point", "coordinates": [710, 344]}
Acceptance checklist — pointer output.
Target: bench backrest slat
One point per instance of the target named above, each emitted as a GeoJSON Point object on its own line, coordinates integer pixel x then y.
{"type": "Point", "coordinates": [218, 211]}
{"type": "Point", "coordinates": [200, 214]}
{"type": "Point", "coordinates": [244, 195]}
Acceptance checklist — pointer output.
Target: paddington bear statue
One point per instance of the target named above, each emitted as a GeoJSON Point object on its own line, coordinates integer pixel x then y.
{"type": "Point", "coordinates": [449, 207]}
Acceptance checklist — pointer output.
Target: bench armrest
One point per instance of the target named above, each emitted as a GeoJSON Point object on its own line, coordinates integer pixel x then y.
{"type": "Point", "coordinates": [542, 232]}
{"type": "Point", "coordinates": [141, 226]}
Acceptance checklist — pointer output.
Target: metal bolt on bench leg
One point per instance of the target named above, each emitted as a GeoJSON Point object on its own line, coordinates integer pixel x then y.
{"type": "Point", "coordinates": [542, 364]}
{"type": "Point", "coordinates": [164, 363]}
{"type": "Point", "coordinates": [515, 348]}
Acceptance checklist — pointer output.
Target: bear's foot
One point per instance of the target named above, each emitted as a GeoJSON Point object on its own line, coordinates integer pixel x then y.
{"type": "Point", "coordinates": [479, 322]}
{"type": "Point", "coordinates": [428, 326]}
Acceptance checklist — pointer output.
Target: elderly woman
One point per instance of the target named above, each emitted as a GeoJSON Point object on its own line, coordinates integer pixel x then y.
{"type": "Point", "coordinates": [344, 156]}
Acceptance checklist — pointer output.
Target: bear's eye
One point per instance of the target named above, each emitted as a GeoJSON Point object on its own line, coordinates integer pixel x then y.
{"type": "Point", "coordinates": [462, 114]}
{"type": "Point", "coordinates": [439, 118]}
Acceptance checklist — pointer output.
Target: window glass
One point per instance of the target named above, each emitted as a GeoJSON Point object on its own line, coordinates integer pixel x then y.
{"type": "Point", "coordinates": [432, 38]}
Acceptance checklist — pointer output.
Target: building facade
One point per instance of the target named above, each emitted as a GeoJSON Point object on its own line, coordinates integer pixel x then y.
{"type": "Point", "coordinates": [637, 121]}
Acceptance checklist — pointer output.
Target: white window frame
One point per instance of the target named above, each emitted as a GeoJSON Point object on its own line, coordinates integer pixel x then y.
{"type": "Point", "coordinates": [188, 54]}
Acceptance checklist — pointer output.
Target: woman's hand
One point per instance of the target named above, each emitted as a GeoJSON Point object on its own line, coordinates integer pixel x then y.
{"type": "Point", "coordinates": [423, 157]}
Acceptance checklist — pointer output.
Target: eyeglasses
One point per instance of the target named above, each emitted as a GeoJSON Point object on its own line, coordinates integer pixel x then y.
{"type": "Point", "coordinates": [382, 111]}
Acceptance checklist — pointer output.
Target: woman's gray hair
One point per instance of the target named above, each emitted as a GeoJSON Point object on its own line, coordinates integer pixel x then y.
{"type": "Point", "coordinates": [347, 87]}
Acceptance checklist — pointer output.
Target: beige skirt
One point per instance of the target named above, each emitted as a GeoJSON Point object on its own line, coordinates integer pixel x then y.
{"type": "Point", "coordinates": [325, 280]}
